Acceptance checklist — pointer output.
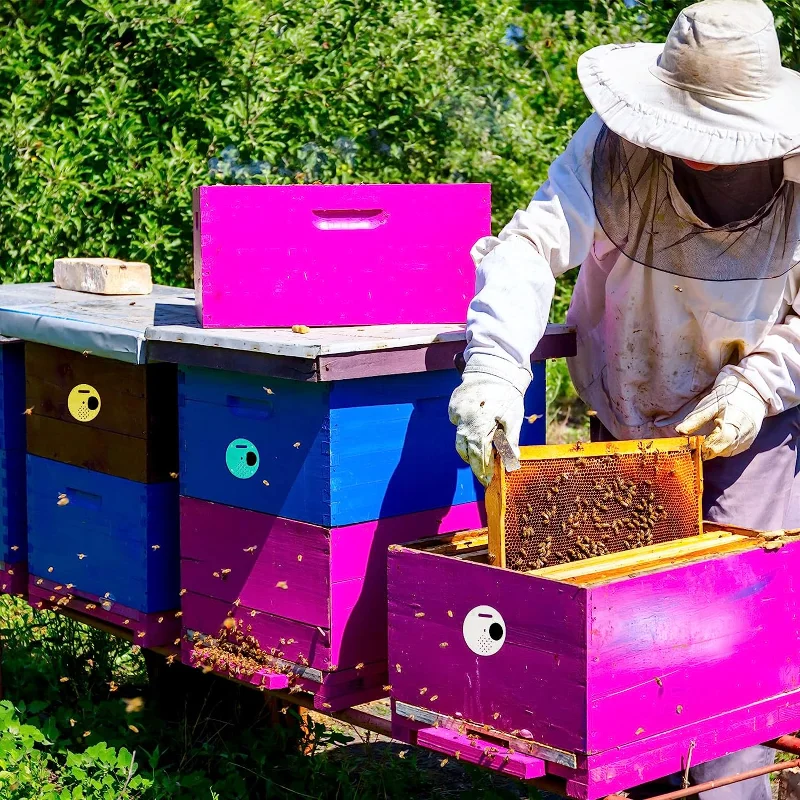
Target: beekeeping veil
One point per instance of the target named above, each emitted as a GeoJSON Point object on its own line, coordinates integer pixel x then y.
{"type": "Point", "coordinates": [714, 93]}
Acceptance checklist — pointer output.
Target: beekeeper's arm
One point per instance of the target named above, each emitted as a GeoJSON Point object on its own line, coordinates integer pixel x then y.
{"type": "Point", "coordinates": [764, 383]}
{"type": "Point", "coordinates": [516, 274]}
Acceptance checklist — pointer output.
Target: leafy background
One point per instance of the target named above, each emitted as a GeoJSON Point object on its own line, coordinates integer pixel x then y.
{"type": "Point", "coordinates": [111, 111]}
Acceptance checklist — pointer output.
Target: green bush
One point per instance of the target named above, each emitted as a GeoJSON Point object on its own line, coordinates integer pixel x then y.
{"type": "Point", "coordinates": [112, 111]}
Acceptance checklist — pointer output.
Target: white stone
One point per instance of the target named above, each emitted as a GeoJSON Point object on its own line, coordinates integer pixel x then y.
{"type": "Point", "coordinates": [102, 276]}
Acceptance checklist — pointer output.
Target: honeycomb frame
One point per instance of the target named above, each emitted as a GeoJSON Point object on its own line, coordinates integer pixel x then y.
{"type": "Point", "coordinates": [571, 502]}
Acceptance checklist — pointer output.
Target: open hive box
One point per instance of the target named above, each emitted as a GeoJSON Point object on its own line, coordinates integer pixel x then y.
{"type": "Point", "coordinates": [677, 644]}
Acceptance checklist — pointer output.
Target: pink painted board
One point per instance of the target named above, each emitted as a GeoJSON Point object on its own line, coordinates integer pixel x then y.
{"type": "Point", "coordinates": [717, 634]}
{"type": "Point", "coordinates": [14, 578]}
{"type": "Point", "coordinates": [231, 553]}
{"type": "Point", "coordinates": [543, 656]}
{"type": "Point", "coordinates": [207, 615]}
{"type": "Point", "coordinates": [704, 652]}
{"type": "Point", "coordinates": [481, 752]}
{"type": "Point", "coordinates": [340, 583]}
{"type": "Point", "coordinates": [147, 630]}
{"type": "Point", "coordinates": [277, 256]}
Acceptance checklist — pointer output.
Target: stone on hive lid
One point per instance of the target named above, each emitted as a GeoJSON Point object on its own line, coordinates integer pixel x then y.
{"type": "Point", "coordinates": [102, 276]}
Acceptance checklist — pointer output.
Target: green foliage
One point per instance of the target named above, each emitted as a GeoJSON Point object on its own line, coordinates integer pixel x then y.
{"type": "Point", "coordinates": [71, 732]}
{"type": "Point", "coordinates": [111, 111]}
{"type": "Point", "coordinates": [30, 769]}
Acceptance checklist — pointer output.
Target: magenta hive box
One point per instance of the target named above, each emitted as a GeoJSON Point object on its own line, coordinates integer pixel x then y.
{"type": "Point", "coordinates": [312, 597]}
{"type": "Point", "coordinates": [601, 682]}
{"type": "Point", "coordinates": [278, 256]}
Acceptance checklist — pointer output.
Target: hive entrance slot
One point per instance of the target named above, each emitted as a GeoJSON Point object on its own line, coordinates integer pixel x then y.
{"type": "Point", "coordinates": [570, 503]}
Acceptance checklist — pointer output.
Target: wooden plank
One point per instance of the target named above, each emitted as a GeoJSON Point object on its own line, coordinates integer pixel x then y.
{"type": "Point", "coordinates": [496, 514]}
{"type": "Point", "coordinates": [543, 655]}
{"type": "Point", "coordinates": [113, 535]}
{"type": "Point", "coordinates": [558, 342]}
{"type": "Point", "coordinates": [291, 640]}
{"type": "Point", "coordinates": [709, 551]}
{"type": "Point", "coordinates": [662, 553]}
{"type": "Point", "coordinates": [244, 361]}
{"type": "Point", "coordinates": [475, 750]}
{"type": "Point", "coordinates": [145, 460]}
{"type": "Point", "coordinates": [265, 563]}
{"type": "Point", "coordinates": [329, 356]}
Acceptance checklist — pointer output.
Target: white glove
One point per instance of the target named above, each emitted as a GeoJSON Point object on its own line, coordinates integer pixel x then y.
{"type": "Point", "coordinates": [477, 407]}
{"type": "Point", "coordinates": [737, 412]}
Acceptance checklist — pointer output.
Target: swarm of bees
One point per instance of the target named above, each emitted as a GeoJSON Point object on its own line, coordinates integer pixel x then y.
{"type": "Point", "coordinates": [235, 652]}
{"type": "Point", "coordinates": [580, 517]}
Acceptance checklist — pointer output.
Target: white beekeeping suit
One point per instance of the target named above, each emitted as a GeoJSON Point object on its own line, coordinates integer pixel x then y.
{"type": "Point", "coordinates": [680, 203]}
{"type": "Point", "coordinates": [673, 315]}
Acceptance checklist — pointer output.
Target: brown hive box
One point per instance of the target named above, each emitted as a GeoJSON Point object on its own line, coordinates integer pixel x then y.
{"type": "Point", "coordinates": [101, 414]}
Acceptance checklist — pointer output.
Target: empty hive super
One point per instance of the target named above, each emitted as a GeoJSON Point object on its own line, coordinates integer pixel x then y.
{"type": "Point", "coordinates": [570, 502]}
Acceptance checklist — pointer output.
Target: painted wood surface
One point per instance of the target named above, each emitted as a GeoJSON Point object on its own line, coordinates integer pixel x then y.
{"type": "Point", "coordinates": [475, 750]}
{"type": "Point", "coordinates": [13, 507]}
{"type": "Point", "coordinates": [14, 577]}
{"type": "Point", "coordinates": [318, 446]}
{"type": "Point", "coordinates": [640, 666]}
{"type": "Point", "coordinates": [543, 657]}
{"type": "Point", "coordinates": [133, 432]}
{"type": "Point", "coordinates": [289, 639]}
{"type": "Point", "coordinates": [673, 648]}
{"type": "Point", "coordinates": [111, 536]}
{"type": "Point", "coordinates": [385, 358]}
{"type": "Point", "coordinates": [276, 256]}
{"type": "Point", "coordinates": [266, 563]}
{"type": "Point", "coordinates": [301, 573]}
{"type": "Point", "coordinates": [147, 630]}
{"type": "Point", "coordinates": [13, 516]}
{"type": "Point", "coordinates": [163, 327]}
{"type": "Point", "coordinates": [12, 394]}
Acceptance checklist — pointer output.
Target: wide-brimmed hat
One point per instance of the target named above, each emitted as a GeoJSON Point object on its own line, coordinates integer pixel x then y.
{"type": "Point", "coordinates": [714, 92]}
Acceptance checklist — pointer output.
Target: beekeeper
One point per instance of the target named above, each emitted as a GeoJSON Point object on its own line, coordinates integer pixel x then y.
{"type": "Point", "coordinates": [678, 198]}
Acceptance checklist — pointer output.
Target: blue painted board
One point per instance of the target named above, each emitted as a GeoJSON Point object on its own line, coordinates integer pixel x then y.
{"type": "Point", "coordinates": [13, 507]}
{"type": "Point", "coordinates": [114, 536]}
{"type": "Point", "coordinates": [331, 453]}
{"type": "Point", "coordinates": [12, 395]}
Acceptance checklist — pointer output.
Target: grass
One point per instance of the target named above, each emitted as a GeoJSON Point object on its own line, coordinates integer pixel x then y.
{"type": "Point", "coordinates": [84, 719]}
{"type": "Point", "coordinates": [567, 419]}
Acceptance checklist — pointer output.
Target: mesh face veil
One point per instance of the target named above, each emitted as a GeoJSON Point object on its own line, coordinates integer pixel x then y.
{"type": "Point", "coordinates": [643, 213]}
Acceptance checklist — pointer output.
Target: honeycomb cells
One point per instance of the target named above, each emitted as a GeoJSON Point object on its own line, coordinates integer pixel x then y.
{"type": "Point", "coordinates": [567, 509]}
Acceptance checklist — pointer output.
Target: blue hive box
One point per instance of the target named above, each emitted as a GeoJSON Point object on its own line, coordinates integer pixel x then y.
{"type": "Point", "coordinates": [329, 454]}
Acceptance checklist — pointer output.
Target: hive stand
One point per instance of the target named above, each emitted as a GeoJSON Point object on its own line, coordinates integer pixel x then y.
{"type": "Point", "coordinates": [302, 458]}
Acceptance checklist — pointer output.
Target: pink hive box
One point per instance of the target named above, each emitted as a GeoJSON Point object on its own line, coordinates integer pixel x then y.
{"type": "Point", "coordinates": [600, 675]}
{"type": "Point", "coordinates": [277, 256]}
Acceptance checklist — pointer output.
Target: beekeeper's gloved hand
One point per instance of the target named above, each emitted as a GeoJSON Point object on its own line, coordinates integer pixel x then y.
{"type": "Point", "coordinates": [477, 407]}
{"type": "Point", "coordinates": [737, 411]}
